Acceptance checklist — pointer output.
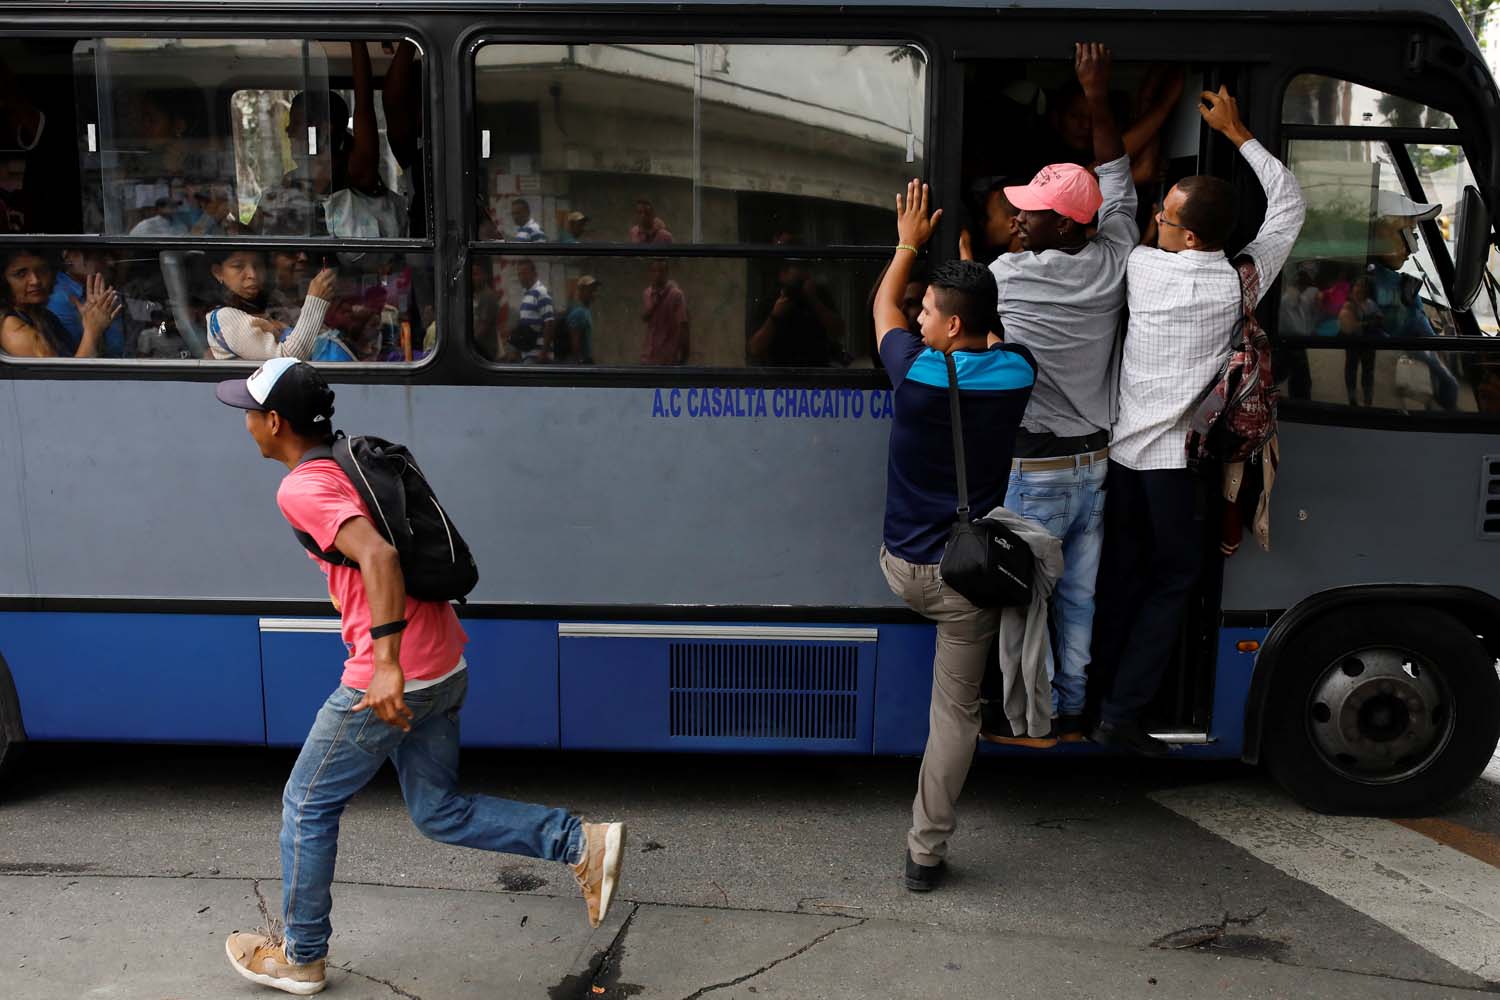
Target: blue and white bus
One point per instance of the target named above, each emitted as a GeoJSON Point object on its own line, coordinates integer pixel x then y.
{"type": "Point", "coordinates": [671, 470]}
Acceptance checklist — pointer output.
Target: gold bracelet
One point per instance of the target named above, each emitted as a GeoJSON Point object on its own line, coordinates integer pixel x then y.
{"type": "Point", "coordinates": [906, 246]}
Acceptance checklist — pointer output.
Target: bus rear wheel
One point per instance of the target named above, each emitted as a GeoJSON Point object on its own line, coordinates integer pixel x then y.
{"type": "Point", "coordinates": [1382, 710]}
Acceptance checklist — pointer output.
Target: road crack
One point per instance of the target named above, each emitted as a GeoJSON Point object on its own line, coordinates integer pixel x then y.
{"type": "Point", "coordinates": [785, 958]}
{"type": "Point", "coordinates": [374, 979]}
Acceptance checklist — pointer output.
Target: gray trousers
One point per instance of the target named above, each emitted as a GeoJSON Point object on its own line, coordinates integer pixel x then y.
{"type": "Point", "coordinates": [964, 635]}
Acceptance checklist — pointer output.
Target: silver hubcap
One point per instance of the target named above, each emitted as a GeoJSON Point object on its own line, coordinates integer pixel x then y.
{"type": "Point", "coordinates": [1379, 715]}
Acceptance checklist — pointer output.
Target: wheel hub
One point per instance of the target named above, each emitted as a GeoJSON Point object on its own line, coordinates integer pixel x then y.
{"type": "Point", "coordinates": [1379, 714]}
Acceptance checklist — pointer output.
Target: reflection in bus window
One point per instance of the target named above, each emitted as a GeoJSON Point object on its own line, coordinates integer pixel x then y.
{"type": "Point", "coordinates": [703, 312]}
{"type": "Point", "coordinates": [712, 143]}
{"type": "Point", "coordinates": [1361, 270]}
{"type": "Point", "coordinates": [1321, 100]}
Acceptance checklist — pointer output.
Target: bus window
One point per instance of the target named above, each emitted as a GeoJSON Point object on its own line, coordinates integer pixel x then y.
{"type": "Point", "coordinates": [1365, 272]}
{"type": "Point", "coordinates": [669, 311]}
{"type": "Point", "coordinates": [277, 137]}
{"type": "Point", "coordinates": [1321, 100]}
{"type": "Point", "coordinates": [709, 143]}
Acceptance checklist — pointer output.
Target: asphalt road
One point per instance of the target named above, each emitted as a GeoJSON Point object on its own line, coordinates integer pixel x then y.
{"type": "Point", "coordinates": [122, 868]}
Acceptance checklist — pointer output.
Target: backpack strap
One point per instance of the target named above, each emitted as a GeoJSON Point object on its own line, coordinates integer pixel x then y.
{"type": "Point", "coordinates": [332, 555]}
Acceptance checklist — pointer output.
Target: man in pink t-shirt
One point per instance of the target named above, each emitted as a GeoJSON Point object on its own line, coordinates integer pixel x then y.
{"type": "Point", "coordinates": [403, 685]}
{"type": "Point", "coordinates": [664, 311]}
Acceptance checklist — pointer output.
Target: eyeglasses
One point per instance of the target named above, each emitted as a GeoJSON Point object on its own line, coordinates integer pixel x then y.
{"type": "Point", "coordinates": [1163, 220]}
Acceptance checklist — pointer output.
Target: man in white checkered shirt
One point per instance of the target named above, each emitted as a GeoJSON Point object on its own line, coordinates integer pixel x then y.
{"type": "Point", "coordinates": [1184, 298]}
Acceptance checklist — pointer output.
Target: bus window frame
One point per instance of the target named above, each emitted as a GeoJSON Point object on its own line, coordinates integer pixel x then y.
{"type": "Point", "coordinates": [1396, 138]}
{"type": "Point", "coordinates": [644, 375]}
{"type": "Point", "coordinates": [86, 26]}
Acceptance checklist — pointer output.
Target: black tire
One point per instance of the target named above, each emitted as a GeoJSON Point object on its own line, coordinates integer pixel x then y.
{"type": "Point", "coordinates": [1382, 710]}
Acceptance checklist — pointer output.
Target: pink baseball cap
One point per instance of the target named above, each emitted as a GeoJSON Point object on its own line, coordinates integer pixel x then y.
{"type": "Point", "coordinates": [1065, 188]}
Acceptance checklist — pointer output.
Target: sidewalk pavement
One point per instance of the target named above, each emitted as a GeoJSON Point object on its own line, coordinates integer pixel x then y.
{"type": "Point", "coordinates": [73, 936]}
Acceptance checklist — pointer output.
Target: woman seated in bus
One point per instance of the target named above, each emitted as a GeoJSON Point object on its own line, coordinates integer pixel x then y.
{"type": "Point", "coordinates": [240, 329]}
{"type": "Point", "coordinates": [27, 327]}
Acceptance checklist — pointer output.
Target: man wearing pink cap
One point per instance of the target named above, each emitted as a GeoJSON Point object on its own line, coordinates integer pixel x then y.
{"type": "Point", "coordinates": [1061, 297]}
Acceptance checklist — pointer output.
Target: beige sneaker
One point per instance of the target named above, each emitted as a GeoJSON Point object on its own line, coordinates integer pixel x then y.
{"type": "Point", "coordinates": [262, 961]}
{"type": "Point", "coordinates": [599, 869]}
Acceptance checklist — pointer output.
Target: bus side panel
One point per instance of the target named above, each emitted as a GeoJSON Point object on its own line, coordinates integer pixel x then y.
{"type": "Point", "coordinates": [512, 698]}
{"type": "Point", "coordinates": [903, 688]}
{"type": "Point", "coordinates": [1232, 672]}
{"type": "Point", "coordinates": [163, 678]}
{"type": "Point", "coordinates": [1361, 505]}
{"type": "Point", "coordinates": [301, 669]}
{"type": "Point", "coordinates": [513, 688]}
{"type": "Point", "coordinates": [15, 542]}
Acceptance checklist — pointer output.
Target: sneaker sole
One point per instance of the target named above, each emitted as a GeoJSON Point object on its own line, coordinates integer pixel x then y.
{"type": "Point", "coordinates": [285, 985]}
{"type": "Point", "coordinates": [614, 853]}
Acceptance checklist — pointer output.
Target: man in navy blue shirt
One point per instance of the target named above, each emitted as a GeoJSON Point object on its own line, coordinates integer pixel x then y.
{"type": "Point", "coordinates": [995, 380]}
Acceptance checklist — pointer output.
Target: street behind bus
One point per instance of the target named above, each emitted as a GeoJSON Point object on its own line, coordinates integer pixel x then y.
{"type": "Point", "coordinates": [121, 870]}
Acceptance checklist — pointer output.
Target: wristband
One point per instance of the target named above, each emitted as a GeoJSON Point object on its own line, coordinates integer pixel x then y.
{"type": "Point", "coordinates": [389, 628]}
{"type": "Point", "coordinates": [906, 246]}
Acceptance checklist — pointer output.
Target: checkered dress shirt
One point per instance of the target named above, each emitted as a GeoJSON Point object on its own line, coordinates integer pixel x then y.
{"type": "Point", "coordinates": [1183, 310]}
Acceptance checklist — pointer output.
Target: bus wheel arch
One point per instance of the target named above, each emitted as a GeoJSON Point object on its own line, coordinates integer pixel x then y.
{"type": "Point", "coordinates": [12, 731]}
{"type": "Point", "coordinates": [1356, 699]}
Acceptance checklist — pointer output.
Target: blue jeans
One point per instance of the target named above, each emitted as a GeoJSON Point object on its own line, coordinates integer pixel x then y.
{"type": "Point", "coordinates": [1069, 503]}
{"type": "Point", "coordinates": [343, 752]}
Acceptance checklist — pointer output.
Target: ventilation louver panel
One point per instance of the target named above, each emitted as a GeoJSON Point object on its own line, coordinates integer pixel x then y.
{"type": "Point", "coordinates": [1489, 498]}
{"type": "Point", "coordinates": [764, 690]}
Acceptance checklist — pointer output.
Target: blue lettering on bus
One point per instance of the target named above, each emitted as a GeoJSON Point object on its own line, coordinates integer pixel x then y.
{"type": "Point", "coordinates": [811, 404]}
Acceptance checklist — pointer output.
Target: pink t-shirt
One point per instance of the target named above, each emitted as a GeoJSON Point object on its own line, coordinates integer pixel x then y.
{"type": "Point", "coordinates": [667, 307]}
{"type": "Point", "coordinates": [316, 497]}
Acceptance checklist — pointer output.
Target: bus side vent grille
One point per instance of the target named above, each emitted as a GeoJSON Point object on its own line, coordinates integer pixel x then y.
{"type": "Point", "coordinates": [778, 690]}
{"type": "Point", "coordinates": [1489, 497]}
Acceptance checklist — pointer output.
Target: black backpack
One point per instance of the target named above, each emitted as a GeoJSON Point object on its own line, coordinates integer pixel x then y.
{"type": "Point", "coordinates": [435, 561]}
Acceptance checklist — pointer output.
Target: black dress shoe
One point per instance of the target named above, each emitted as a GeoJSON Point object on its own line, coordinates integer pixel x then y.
{"type": "Point", "coordinates": [1129, 736]}
{"type": "Point", "coordinates": [924, 878]}
{"type": "Point", "coordinates": [1068, 728]}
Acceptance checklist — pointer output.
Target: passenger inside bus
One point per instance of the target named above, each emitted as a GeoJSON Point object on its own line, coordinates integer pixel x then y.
{"type": "Point", "coordinates": [239, 327]}
{"type": "Point", "coordinates": [340, 192]}
{"type": "Point", "coordinates": [71, 286]}
{"type": "Point", "coordinates": [992, 228]}
{"type": "Point", "coordinates": [28, 329]}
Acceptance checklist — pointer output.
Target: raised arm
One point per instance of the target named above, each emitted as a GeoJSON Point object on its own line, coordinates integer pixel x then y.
{"type": "Point", "coordinates": [1091, 61]}
{"type": "Point", "coordinates": [1285, 206]}
{"type": "Point", "coordinates": [913, 228]}
{"type": "Point", "coordinates": [364, 153]}
{"type": "Point", "coordinates": [401, 97]}
{"type": "Point", "coordinates": [253, 338]}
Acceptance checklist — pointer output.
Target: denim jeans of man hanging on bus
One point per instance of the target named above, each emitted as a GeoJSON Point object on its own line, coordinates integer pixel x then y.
{"type": "Point", "coordinates": [399, 700]}
{"type": "Point", "coordinates": [994, 382]}
{"type": "Point", "coordinates": [1062, 298]}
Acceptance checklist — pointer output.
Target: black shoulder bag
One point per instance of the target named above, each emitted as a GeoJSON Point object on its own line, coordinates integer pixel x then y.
{"type": "Point", "coordinates": [985, 561]}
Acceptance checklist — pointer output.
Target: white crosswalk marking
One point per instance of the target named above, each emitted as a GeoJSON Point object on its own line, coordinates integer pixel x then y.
{"type": "Point", "coordinates": [1437, 897]}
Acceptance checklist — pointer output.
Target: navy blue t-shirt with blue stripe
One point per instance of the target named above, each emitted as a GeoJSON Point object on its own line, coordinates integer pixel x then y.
{"type": "Point", "coordinates": [922, 484]}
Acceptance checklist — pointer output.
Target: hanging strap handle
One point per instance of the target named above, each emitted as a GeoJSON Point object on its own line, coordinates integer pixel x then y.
{"type": "Point", "coordinates": [958, 440]}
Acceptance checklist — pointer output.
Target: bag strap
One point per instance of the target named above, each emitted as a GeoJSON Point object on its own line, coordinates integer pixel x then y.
{"type": "Point", "coordinates": [958, 439]}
